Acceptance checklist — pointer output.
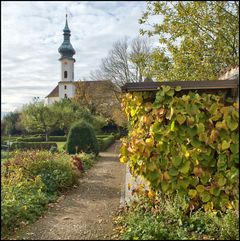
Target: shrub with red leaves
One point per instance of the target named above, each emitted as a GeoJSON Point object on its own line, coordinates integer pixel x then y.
{"type": "Point", "coordinates": [78, 163]}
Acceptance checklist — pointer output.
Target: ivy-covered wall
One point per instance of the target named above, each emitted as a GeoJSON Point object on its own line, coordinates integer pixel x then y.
{"type": "Point", "coordinates": [187, 144]}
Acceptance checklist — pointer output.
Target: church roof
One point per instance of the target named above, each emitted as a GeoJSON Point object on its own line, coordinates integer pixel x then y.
{"type": "Point", "coordinates": [54, 93]}
{"type": "Point", "coordinates": [90, 83]}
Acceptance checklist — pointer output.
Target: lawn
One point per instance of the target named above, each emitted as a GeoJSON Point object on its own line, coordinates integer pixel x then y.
{"type": "Point", "coordinates": [60, 145]}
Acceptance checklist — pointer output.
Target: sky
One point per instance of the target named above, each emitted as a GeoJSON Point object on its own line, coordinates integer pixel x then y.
{"type": "Point", "coordinates": [32, 33]}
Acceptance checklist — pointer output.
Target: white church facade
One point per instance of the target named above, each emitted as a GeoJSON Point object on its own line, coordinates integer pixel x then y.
{"type": "Point", "coordinates": [66, 87]}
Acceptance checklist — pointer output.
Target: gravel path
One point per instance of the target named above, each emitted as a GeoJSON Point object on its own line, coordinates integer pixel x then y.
{"type": "Point", "coordinates": [85, 212]}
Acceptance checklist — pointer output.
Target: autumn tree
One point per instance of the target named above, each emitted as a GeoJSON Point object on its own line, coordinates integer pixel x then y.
{"type": "Point", "coordinates": [102, 99]}
{"type": "Point", "coordinates": [198, 38]}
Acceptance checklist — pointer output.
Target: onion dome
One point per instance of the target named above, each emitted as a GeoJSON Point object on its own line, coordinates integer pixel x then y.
{"type": "Point", "coordinates": [66, 49]}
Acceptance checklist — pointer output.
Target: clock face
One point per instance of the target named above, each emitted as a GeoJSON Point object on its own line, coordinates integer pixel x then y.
{"type": "Point", "coordinates": [65, 62]}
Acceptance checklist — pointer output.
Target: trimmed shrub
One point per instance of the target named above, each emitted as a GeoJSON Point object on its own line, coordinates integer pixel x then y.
{"type": "Point", "coordinates": [33, 145]}
{"type": "Point", "coordinates": [82, 138]}
{"type": "Point", "coordinates": [105, 142]}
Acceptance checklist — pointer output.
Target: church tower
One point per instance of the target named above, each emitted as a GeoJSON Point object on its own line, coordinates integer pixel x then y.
{"type": "Point", "coordinates": [66, 85]}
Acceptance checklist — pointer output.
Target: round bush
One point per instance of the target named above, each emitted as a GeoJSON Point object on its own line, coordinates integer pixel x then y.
{"type": "Point", "coordinates": [82, 137]}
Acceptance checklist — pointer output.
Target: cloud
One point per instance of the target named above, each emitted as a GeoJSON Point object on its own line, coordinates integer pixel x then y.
{"type": "Point", "coordinates": [32, 34]}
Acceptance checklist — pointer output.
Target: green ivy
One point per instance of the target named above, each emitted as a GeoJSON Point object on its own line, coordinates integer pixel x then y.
{"type": "Point", "coordinates": [184, 143]}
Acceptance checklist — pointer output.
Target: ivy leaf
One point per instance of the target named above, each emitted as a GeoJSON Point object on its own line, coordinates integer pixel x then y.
{"type": "Point", "coordinates": [222, 181]}
{"type": "Point", "coordinates": [216, 117]}
{"type": "Point", "coordinates": [225, 145]}
{"type": "Point", "coordinates": [200, 128]}
{"type": "Point", "coordinates": [133, 112]}
{"type": "Point", "coordinates": [170, 92]}
{"type": "Point", "coordinates": [181, 118]}
{"type": "Point", "coordinates": [205, 196]}
{"type": "Point", "coordinates": [221, 125]}
{"type": "Point", "coordinates": [215, 191]}
{"type": "Point", "coordinates": [178, 88]}
{"type": "Point", "coordinates": [184, 183]}
{"type": "Point", "coordinates": [165, 186]}
{"type": "Point", "coordinates": [234, 148]}
{"type": "Point", "coordinates": [213, 108]}
{"type": "Point", "coordinates": [156, 105]}
{"type": "Point", "coordinates": [176, 160]}
{"type": "Point", "coordinates": [235, 115]}
{"type": "Point", "coordinates": [214, 135]}
{"type": "Point", "coordinates": [153, 175]}
{"type": "Point", "coordinates": [185, 168]}
{"type": "Point", "coordinates": [173, 172]}
{"type": "Point", "coordinates": [192, 193]}
{"type": "Point", "coordinates": [200, 188]}
{"type": "Point", "coordinates": [231, 124]}
{"type": "Point", "coordinates": [166, 88]}
{"type": "Point", "coordinates": [192, 109]}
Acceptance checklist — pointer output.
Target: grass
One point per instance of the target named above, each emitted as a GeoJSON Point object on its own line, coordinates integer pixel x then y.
{"type": "Point", "coordinates": [60, 145]}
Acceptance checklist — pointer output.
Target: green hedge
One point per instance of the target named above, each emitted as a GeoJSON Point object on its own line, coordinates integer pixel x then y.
{"type": "Point", "coordinates": [31, 139]}
{"type": "Point", "coordinates": [105, 142]}
{"type": "Point", "coordinates": [57, 138]}
{"type": "Point", "coordinates": [102, 136]}
{"type": "Point", "coordinates": [33, 145]}
{"type": "Point", "coordinates": [41, 139]}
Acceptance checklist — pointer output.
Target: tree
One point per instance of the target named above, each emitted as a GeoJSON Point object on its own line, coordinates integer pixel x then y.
{"type": "Point", "coordinates": [140, 57]}
{"type": "Point", "coordinates": [11, 123]}
{"type": "Point", "coordinates": [198, 38]}
{"type": "Point", "coordinates": [125, 62]}
{"type": "Point", "coordinates": [39, 117]}
{"type": "Point", "coordinates": [70, 111]}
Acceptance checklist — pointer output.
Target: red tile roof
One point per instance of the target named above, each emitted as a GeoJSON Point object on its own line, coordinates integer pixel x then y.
{"type": "Point", "coordinates": [54, 93]}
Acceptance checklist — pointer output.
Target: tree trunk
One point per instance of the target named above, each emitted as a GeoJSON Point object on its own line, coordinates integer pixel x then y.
{"type": "Point", "coordinates": [46, 134]}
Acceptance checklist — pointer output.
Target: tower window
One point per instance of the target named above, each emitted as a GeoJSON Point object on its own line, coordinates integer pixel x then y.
{"type": "Point", "coordinates": [65, 74]}
{"type": "Point", "coordinates": [65, 87]}
{"type": "Point", "coordinates": [65, 95]}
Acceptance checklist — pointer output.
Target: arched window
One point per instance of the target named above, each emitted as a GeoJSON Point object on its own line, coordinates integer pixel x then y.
{"type": "Point", "coordinates": [65, 95]}
{"type": "Point", "coordinates": [65, 74]}
{"type": "Point", "coordinates": [65, 87]}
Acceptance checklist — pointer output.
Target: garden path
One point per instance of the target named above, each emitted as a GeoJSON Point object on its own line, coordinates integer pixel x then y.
{"type": "Point", "coordinates": [86, 212]}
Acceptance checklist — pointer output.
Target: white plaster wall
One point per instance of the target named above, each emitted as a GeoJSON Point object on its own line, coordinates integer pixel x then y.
{"type": "Point", "coordinates": [67, 65]}
{"type": "Point", "coordinates": [70, 90]}
{"type": "Point", "coordinates": [51, 100]}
